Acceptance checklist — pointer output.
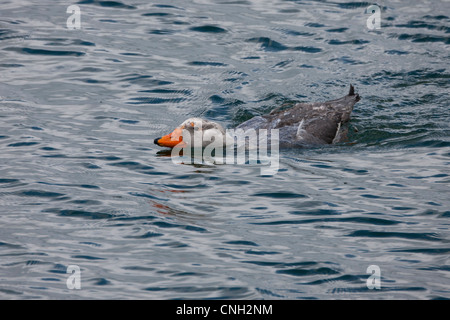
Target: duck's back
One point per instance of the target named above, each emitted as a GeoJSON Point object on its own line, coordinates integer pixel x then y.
{"type": "Point", "coordinates": [308, 123]}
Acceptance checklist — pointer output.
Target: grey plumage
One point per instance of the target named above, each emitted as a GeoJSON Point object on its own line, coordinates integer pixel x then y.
{"type": "Point", "coordinates": [308, 123]}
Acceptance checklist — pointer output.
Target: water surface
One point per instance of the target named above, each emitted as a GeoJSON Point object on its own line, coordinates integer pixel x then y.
{"type": "Point", "coordinates": [81, 182]}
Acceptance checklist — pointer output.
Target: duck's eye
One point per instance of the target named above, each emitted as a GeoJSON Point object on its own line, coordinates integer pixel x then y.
{"type": "Point", "coordinates": [194, 126]}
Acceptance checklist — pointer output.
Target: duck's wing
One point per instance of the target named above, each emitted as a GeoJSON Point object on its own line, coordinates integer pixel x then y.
{"type": "Point", "coordinates": [322, 120]}
{"type": "Point", "coordinates": [255, 123]}
{"type": "Point", "coordinates": [308, 123]}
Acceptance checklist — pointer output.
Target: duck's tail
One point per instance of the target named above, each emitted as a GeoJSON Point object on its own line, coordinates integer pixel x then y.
{"type": "Point", "coordinates": [352, 93]}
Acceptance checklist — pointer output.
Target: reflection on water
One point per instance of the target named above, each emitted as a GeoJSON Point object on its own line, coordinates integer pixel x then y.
{"type": "Point", "coordinates": [81, 182]}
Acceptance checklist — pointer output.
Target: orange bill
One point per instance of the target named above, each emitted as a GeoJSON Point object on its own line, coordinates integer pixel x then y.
{"type": "Point", "coordinates": [172, 139]}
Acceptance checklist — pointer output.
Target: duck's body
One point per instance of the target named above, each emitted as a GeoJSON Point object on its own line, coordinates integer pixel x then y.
{"type": "Point", "coordinates": [308, 123]}
{"type": "Point", "coordinates": [302, 125]}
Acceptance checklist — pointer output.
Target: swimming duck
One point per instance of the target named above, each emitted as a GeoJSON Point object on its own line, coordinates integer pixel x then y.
{"type": "Point", "coordinates": [302, 125]}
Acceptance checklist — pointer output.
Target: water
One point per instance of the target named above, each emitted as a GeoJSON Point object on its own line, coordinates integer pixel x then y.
{"type": "Point", "coordinates": [81, 182]}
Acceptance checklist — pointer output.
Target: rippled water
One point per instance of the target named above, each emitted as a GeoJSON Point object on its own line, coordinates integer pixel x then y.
{"type": "Point", "coordinates": [81, 182]}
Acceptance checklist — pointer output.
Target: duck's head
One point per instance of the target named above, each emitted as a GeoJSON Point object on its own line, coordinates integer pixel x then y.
{"type": "Point", "coordinates": [194, 132]}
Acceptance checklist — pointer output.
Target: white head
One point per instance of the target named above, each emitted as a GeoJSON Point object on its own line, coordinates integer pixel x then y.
{"type": "Point", "coordinates": [194, 132]}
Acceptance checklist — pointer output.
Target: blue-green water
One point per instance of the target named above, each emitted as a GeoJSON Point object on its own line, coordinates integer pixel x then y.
{"type": "Point", "coordinates": [81, 182]}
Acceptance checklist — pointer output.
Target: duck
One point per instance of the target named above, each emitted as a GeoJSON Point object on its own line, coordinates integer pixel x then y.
{"type": "Point", "coordinates": [302, 125]}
